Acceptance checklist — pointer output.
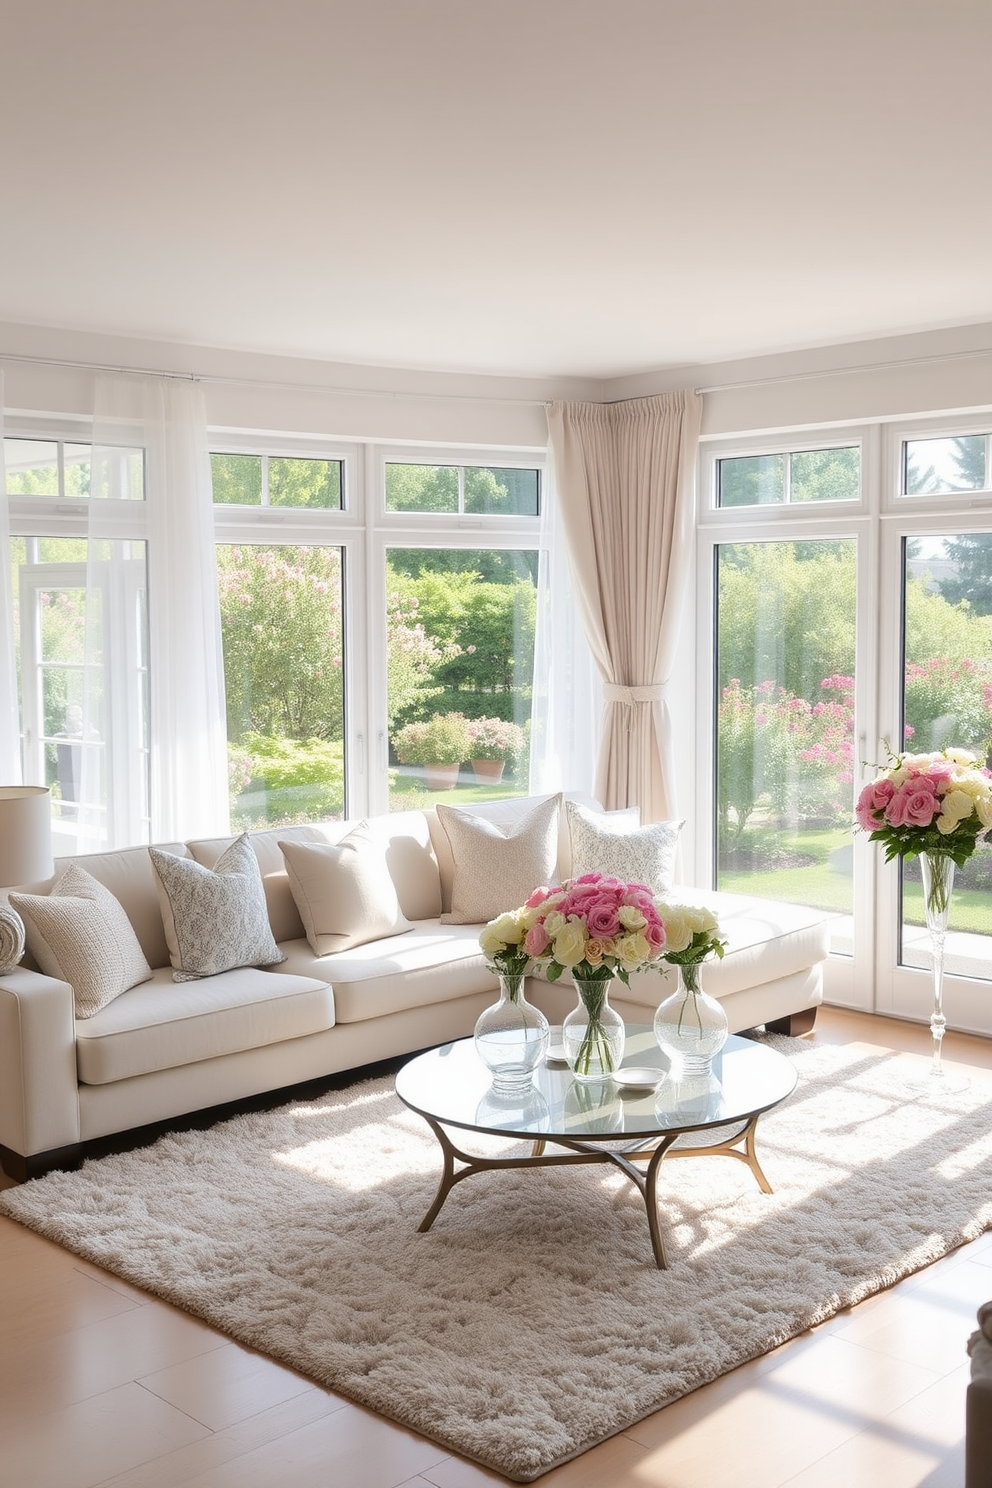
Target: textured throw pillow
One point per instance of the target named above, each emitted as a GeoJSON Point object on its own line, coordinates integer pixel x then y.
{"type": "Point", "coordinates": [215, 918]}
{"type": "Point", "coordinates": [610, 843]}
{"type": "Point", "coordinates": [344, 891]}
{"type": "Point", "coordinates": [498, 867]}
{"type": "Point", "coordinates": [80, 934]}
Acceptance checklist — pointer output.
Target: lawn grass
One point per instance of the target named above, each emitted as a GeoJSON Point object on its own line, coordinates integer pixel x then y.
{"type": "Point", "coordinates": [825, 885]}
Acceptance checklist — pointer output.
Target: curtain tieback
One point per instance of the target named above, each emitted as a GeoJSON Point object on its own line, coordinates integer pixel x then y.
{"type": "Point", "coordinates": [628, 697]}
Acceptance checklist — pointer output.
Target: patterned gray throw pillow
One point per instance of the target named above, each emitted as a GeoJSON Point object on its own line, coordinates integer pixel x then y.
{"type": "Point", "coordinates": [215, 918]}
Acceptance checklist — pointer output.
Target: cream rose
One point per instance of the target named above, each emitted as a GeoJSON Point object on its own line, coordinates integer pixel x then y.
{"type": "Point", "coordinates": [555, 923]}
{"type": "Point", "coordinates": [569, 943]}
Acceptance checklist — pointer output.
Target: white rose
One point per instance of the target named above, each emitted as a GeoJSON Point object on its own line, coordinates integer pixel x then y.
{"type": "Point", "coordinates": [631, 950]}
{"type": "Point", "coordinates": [555, 923]}
{"type": "Point", "coordinates": [957, 805]}
{"type": "Point", "coordinates": [631, 918]}
{"type": "Point", "coordinates": [678, 932]}
{"type": "Point", "coordinates": [508, 928]}
{"type": "Point", "coordinates": [569, 943]}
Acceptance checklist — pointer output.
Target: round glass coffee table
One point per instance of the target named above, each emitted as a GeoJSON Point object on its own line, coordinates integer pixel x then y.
{"type": "Point", "coordinates": [622, 1120]}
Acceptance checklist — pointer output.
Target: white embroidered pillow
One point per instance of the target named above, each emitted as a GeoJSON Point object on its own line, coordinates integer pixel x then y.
{"type": "Point", "coordinates": [498, 867]}
{"type": "Point", "coordinates": [215, 918]}
{"type": "Point", "coordinates": [80, 934]}
{"type": "Point", "coordinates": [609, 843]}
{"type": "Point", "coordinates": [344, 891]}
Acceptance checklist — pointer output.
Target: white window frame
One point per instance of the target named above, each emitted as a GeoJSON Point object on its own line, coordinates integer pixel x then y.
{"type": "Point", "coordinates": [870, 980]}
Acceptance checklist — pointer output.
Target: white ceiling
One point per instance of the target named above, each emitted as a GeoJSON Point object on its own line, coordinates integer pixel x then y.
{"type": "Point", "coordinates": [535, 187]}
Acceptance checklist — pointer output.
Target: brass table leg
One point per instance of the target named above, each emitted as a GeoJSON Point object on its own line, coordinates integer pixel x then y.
{"type": "Point", "coordinates": [583, 1152]}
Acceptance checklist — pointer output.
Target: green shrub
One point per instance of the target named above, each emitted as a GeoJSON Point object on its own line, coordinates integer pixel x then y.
{"type": "Point", "coordinates": [442, 740]}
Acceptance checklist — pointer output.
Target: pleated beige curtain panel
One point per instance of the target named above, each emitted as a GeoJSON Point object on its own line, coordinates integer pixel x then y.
{"type": "Point", "coordinates": [626, 485]}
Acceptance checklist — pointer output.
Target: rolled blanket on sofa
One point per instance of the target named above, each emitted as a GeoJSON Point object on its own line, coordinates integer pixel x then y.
{"type": "Point", "coordinates": [11, 938]}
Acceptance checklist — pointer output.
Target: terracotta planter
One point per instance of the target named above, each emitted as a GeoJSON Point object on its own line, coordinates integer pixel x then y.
{"type": "Point", "coordinates": [489, 770]}
{"type": "Point", "coordinates": [441, 777]}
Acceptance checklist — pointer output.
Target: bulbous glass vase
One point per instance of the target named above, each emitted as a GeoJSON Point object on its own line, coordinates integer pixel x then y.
{"type": "Point", "coordinates": [512, 1036]}
{"type": "Point", "coordinates": [593, 1033]}
{"type": "Point", "coordinates": [690, 1026]}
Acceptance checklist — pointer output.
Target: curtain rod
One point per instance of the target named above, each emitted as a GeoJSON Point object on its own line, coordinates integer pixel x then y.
{"type": "Point", "coordinates": [920, 361]}
{"type": "Point", "coordinates": [257, 382]}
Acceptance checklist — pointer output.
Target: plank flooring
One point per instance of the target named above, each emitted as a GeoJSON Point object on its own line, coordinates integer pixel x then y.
{"type": "Point", "coordinates": [102, 1386]}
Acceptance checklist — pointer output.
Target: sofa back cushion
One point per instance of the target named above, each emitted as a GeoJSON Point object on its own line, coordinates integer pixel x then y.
{"type": "Point", "coordinates": [496, 864]}
{"type": "Point", "coordinates": [343, 890]}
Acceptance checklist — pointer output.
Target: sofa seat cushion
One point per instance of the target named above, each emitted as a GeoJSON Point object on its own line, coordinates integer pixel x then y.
{"type": "Point", "coordinates": [766, 940]}
{"type": "Point", "coordinates": [429, 963]}
{"type": "Point", "coordinates": [162, 1025]}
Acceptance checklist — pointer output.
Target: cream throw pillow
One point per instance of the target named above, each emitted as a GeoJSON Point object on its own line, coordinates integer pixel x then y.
{"type": "Point", "coordinates": [80, 934]}
{"type": "Point", "coordinates": [215, 918]}
{"type": "Point", "coordinates": [344, 891]}
{"type": "Point", "coordinates": [495, 867]}
{"type": "Point", "coordinates": [608, 842]}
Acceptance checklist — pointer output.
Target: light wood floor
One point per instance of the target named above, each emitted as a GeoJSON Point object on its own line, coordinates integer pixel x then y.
{"type": "Point", "coordinates": [101, 1385]}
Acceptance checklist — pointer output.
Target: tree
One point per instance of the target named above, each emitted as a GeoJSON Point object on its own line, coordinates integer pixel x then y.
{"type": "Point", "coordinates": [281, 626]}
{"type": "Point", "coordinates": [786, 614]}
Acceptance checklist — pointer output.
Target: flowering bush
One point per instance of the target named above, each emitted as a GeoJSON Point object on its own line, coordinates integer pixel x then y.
{"type": "Point", "coordinates": [495, 739]}
{"type": "Point", "coordinates": [774, 745]}
{"type": "Point", "coordinates": [928, 803]}
{"type": "Point", "coordinates": [442, 740]}
{"type": "Point", "coordinates": [595, 927]}
{"type": "Point", "coordinates": [692, 934]}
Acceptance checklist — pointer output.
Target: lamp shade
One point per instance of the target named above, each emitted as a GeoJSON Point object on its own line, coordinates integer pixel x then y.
{"type": "Point", "coordinates": [25, 834]}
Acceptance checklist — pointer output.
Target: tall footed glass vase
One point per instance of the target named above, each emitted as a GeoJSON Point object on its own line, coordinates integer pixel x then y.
{"type": "Point", "coordinates": [938, 884]}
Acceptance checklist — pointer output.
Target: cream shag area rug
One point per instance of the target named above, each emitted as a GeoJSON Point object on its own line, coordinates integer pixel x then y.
{"type": "Point", "coordinates": [530, 1323]}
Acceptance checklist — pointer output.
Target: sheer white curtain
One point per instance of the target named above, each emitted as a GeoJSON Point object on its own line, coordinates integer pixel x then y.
{"type": "Point", "coordinates": [168, 700]}
{"type": "Point", "coordinates": [567, 692]}
{"type": "Point", "coordinates": [626, 481]}
{"type": "Point", "coordinates": [10, 727]}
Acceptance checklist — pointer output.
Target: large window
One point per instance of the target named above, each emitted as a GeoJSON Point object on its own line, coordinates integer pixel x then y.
{"type": "Point", "coordinates": [785, 719]}
{"type": "Point", "coordinates": [81, 644]}
{"type": "Point", "coordinates": [947, 700]}
{"type": "Point", "coordinates": [460, 655]}
{"type": "Point", "coordinates": [844, 621]}
{"type": "Point", "coordinates": [390, 597]}
{"type": "Point", "coordinates": [81, 634]}
{"type": "Point", "coordinates": [283, 635]}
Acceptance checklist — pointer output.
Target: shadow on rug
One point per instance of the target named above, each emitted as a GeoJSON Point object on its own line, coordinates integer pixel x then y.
{"type": "Point", "coordinates": [530, 1323]}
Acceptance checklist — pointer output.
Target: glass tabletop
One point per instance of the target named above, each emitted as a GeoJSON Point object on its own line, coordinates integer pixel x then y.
{"type": "Point", "coordinates": [453, 1086]}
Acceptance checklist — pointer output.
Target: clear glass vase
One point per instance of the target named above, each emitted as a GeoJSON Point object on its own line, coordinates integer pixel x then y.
{"type": "Point", "coordinates": [512, 1036]}
{"type": "Point", "coordinates": [593, 1033]}
{"type": "Point", "coordinates": [690, 1026]}
{"type": "Point", "coordinates": [938, 883]}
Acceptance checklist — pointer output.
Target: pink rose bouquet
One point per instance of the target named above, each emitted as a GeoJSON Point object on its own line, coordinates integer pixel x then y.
{"type": "Point", "coordinates": [928, 803]}
{"type": "Point", "coordinates": [595, 927]}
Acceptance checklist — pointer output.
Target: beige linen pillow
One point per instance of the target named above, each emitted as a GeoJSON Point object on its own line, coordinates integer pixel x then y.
{"type": "Point", "coordinates": [80, 934]}
{"type": "Point", "coordinates": [495, 867]}
{"type": "Point", "coordinates": [215, 918]}
{"type": "Point", "coordinates": [344, 891]}
{"type": "Point", "coordinates": [610, 843]}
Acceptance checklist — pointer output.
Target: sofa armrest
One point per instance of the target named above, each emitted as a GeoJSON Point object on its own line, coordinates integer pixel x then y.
{"type": "Point", "coordinates": [39, 1092]}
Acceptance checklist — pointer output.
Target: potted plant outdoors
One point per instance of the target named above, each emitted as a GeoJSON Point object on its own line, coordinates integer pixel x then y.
{"type": "Point", "coordinates": [439, 744]}
{"type": "Point", "coordinates": [494, 744]}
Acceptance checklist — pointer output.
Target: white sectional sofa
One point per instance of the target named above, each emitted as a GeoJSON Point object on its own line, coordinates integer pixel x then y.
{"type": "Point", "coordinates": [163, 1049]}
